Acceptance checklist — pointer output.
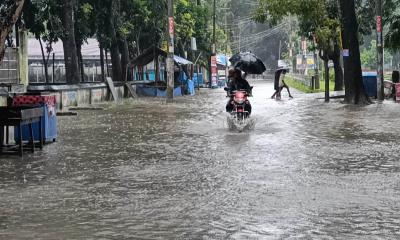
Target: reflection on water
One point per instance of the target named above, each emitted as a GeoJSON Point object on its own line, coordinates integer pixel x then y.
{"type": "Point", "coordinates": [146, 170]}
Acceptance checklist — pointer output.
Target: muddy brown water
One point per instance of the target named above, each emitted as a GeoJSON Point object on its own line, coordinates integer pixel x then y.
{"type": "Point", "coordinates": [146, 170]}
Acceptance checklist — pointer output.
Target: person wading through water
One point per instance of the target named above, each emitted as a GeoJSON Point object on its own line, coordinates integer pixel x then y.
{"type": "Point", "coordinates": [279, 83]}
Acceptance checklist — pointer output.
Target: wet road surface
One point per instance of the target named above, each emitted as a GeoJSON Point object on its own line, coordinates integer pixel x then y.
{"type": "Point", "coordinates": [146, 170]}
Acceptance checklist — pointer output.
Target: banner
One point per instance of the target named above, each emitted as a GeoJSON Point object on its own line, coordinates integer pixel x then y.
{"type": "Point", "coordinates": [214, 72]}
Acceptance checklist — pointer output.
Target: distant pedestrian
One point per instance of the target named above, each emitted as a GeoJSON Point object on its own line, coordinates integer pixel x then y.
{"type": "Point", "coordinates": [279, 83]}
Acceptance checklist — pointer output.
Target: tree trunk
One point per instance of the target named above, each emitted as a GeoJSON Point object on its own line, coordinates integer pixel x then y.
{"type": "Point", "coordinates": [326, 66]}
{"type": "Point", "coordinates": [80, 62]}
{"type": "Point", "coordinates": [124, 59]}
{"type": "Point", "coordinates": [355, 92]}
{"type": "Point", "coordinates": [45, 62]}
{"type": "Point", "coordinates": [70, 52]}
{"type": "Point", "coordinates": [338, 68]}
{"type": "Point", "coordinates": [114, 49]}
{"type": "Point", "coordinates": [324, 55]}
{"type": "Point", "coordinates": [10, 13]}
{"type": "Point", "coordinates": [108, 70]}
{"type": "Point", "coordinates": [102, 63]}
{"type": "Point", "coordinates": [157, 62]}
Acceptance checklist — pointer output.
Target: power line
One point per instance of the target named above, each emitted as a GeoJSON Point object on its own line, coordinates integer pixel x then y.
{"type": "Point", "coordinates": [275, 31]}
{"type": "Point", "coordinates": [262, 34]}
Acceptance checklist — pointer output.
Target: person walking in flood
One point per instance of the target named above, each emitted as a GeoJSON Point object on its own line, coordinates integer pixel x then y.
{"type": "Point", "coordinates": [279, 83]}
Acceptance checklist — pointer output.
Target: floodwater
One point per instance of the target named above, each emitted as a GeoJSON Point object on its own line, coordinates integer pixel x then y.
{"type": "Point", "coordinates": [146, 170]}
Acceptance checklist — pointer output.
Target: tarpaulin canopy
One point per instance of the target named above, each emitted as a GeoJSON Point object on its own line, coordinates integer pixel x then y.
{"type": "Point", "coordinates": [148, 56]}
{"type": "Point", "coordinates": [151, 53]}
{"type": "Point", "coordinates": [222, 60]}
{"type": "Point", "coordinates": [182, 61]}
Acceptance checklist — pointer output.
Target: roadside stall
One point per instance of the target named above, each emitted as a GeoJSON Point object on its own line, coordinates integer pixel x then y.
{"type": "Point", "coordinates": [49, 118]}
{"type": "Point", "coordinates": [150, 74]}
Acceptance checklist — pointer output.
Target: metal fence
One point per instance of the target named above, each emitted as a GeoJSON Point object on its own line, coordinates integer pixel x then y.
{"type": "Point", "coordinates": [305, 80]}
{"type": "Point", "coordinates": [56, 73]}
{"type": "Point", "coordinates": [9, 67]}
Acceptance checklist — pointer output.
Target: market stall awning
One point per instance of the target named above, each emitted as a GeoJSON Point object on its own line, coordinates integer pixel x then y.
{"type": "Point", "coordinates": [148, 56]}
{"type": "Point", "coordinates": [182, 61]}
{"type": "Point", "coordinates": [151, 53]}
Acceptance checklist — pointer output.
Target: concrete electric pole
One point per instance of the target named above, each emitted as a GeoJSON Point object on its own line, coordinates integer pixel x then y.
{"type": "Point", "coordinates": [379, 48]}
{"type": "Point", "coordinates": [170, 57]}
{"type": "Point", "coordinates": [214, 48]}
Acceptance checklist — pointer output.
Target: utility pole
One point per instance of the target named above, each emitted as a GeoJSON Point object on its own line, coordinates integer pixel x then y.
{"type": "Point", "coordinates": [316, 65]}
{"type": "Point", "coordinates": [226, 47]}
{"type": "Point", "coordinates": [214, 50]}
{"type": "Point", "coordinates": [170, 57]}
{"type": "Point", "coordinates": [379, 48]}
{"type": "Point", "coordinates": [213, 60]}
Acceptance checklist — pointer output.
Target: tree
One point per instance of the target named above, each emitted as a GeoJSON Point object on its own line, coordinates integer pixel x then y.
{"type": "Point", "coordinates": [318, 21]}
{"type": "Point", "coordinates": [185, 24]}
{"type": "Point", "coordinates": [355, 92]}
{"type": "Point", "coordinates": [69, 42]}
{"type": "Point", "coordinates": [368, 55]}
{"type": "Point", "coordinates": [41, 18]}
{"type": "Point", "coordinates": [392, 38]}
{"type": "Point", "coordinates": [10, 11]}
{"type": "Point", "coordinates": [84, 29]}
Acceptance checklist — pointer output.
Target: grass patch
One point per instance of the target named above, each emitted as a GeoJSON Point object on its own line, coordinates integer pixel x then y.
{"type": "Point", "coordinates": [305, 89]}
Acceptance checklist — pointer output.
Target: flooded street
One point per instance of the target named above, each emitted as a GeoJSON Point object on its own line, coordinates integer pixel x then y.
{"type": "Point", "coordinates": [146, 170]}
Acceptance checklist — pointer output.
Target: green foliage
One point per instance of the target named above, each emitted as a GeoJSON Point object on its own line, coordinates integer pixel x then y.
{"type": "Point", "coordinates": [305, 89]}
{"type": "Point", "coordinates": [368, 56]}
{"type": "Point", "coordinates": [84, 25]}
{"type": "Point", "coordinates": [185, 21]}
{"type": "Point", "coordinates": [317, 18]}
{"type": "Point", "coordinates": [141, 22]}
{"type": "Point", "coordinates": [43, 19]}
{"type": "Point", "coordinates": [392, 37]}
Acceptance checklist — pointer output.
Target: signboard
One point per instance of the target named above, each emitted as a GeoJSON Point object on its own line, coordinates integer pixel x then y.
{"type": "Point", "coordinates": [397, 92]}
{"type": "Point", "coordinates": [346, 53]}
{"type": "Point", "coordinates": [164, 46]}
{"type": "Point", "coordinates": [310, 61]}
{"type": "Point", "coordinates": [214, 72]}
{"type": "Point", "coordinates": [331, 64]}
{"type": "Point", "coordinates": [299, 60]}
{"type": "Point", "coordinates": [304, 45]}
{"type": "Point", "coordinates": [193, 44]}
{"type": "Point", "coordinates": [379, 24]}
{"type": "Point", "coordinates": [171, 30]}
{"type": "Point", "coordinates": [213, 61]}
{"type": "Point", "coordinates": [171, 26]}
{"type": "Point", "coordinates": [221, 72]}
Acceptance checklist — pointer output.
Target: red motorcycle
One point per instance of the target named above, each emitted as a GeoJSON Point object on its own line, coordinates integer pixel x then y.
{"type": "Point", "coordinates": [241, 108]}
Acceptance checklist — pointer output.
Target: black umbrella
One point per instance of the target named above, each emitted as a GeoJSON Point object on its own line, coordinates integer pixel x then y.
{"type": "Point", "coordinates": [248, 63]}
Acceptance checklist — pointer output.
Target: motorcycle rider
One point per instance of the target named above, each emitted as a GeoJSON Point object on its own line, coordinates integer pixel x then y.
{"type": "Point", "coordinates": [237, 82]}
